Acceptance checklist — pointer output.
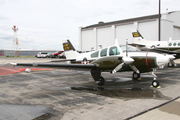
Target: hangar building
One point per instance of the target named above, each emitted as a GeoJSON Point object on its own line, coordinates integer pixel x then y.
{"type": "Point", "coordinates": [23, 52]}
{"type": "Point", "coordinates": [91, 37]}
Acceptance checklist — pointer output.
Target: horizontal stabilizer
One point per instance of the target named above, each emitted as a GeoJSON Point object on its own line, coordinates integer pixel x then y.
{"type": "Point", "coordinates": [136, 44]}
{"type": "Point", "coordinates": [63, 60]}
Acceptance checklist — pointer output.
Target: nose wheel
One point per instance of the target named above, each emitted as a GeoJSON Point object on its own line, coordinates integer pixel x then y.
{"type": "Point", "coordinates": [155, 83]}
{"type": "Point", "coordinates": [101, 81]}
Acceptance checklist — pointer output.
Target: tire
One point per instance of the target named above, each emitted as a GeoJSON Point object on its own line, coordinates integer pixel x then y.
{"type": "Point", "coordinates": [85, 61]}
{"type": "Point", "coordinates": [155, 83]}
{"type": "Point", "coordinates": [101, 81]}
{"type": "Point", "coordinates": [170, 64]}
{"type": "Point", "coordinates": [153, 47]}
{"type": "Point", "coordinates": [135, 76]}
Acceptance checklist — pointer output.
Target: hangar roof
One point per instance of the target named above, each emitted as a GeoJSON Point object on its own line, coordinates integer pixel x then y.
{"type": "Point", "coordinates": [100, 24]}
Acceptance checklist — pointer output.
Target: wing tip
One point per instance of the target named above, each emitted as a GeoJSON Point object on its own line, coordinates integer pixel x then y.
{"type": "Point", "coordinates": [11, 64]}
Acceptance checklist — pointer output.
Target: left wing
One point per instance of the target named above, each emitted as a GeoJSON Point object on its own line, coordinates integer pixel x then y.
{"type": "Point", "coordinates": [175, 54]}
{"type": "Point", "coordinates": [59, 66]}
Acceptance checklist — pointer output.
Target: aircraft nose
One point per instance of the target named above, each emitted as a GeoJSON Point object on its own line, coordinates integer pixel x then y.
{"type": "Point", "coordinates": [171, 57]}
{"type": "Point", "coordinates": [162, 60]}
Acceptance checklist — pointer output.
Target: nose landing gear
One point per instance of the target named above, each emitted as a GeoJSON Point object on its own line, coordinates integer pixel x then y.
{"type": "Point", "coordinates": [155, 83]}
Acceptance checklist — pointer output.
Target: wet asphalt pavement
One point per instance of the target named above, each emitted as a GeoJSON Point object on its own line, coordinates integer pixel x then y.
{"type": "Point", "coordinates": [74, 95]}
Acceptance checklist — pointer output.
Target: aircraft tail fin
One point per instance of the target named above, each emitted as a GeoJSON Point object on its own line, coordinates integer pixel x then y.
{"type": "Point", "coordinates": [70, 51]}
{"type": "Point", "coordinates": [68, 46]}
{"type": "Point", "coordinates": [137, 36]}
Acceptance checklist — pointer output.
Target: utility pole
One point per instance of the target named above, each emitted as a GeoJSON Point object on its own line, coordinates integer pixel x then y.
{"type": "Point", "coordinates": [15, 40]}
{"type": "Point", "coordinates": [159, 22]}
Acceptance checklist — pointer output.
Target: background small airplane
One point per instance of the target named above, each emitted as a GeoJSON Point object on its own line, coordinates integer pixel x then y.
{"type": "Point", "coordinates": [114, 59]}
{"type": "Point", "coordinates": [169, 47]}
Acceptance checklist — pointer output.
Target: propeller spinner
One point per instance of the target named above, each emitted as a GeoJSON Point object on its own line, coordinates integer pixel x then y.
{"type": "Point", "coordinates": [126, 60]}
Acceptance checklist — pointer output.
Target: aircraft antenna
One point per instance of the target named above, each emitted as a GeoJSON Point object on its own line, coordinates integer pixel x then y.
{"type": "Point", "coordinates": [126, 47]}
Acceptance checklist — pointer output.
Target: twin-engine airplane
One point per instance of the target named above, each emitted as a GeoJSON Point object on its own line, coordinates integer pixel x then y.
{"type": "Point", "coordinates": [114, 59]}
{"type": "Point", "coordinates": [168, 47]}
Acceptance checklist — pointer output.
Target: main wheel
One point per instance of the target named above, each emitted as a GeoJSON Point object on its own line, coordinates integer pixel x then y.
{"type": "Point", "coordinates": [153, 47]}
{"type": "Point", "coordinates": [135, 76]}
{"type": "Point", "coordinates": [101, 81]}
{"type": "Point", "coordinates": [85, 61]}
{"type": "Point", "coordinates": [155, 83]}
{"type": "Point", "coordinates": [170, 64]}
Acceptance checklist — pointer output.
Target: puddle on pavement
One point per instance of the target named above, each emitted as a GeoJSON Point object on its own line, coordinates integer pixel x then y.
{"type": "Point", "coordinates": [22, 112]}
{"type": "Point", "coordinates": [124, 93]}
{"type": "Point", "coordinates": [171, 108]}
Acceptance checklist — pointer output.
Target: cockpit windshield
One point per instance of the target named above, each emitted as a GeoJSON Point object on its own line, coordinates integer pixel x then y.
{"type": "Point", "coordinates": [129, 48]}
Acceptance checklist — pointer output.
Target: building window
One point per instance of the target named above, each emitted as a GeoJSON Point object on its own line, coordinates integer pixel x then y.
{"type": "Point", "coordinates": [114, 51]}
{"type": "Point", "coordinates": [95, 54]}
{"type": "Point", "coordinates": [103, 52]}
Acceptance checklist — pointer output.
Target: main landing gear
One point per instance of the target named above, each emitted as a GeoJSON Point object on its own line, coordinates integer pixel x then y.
{"type": "Point", "coordinates": [136, 76]}
{"type": "Point", "coordinates": [155, 83]}
{"type": "Point", "coordinates": [172, 64]}
{"type": "Point", "coordinates": [96, 74]}
{"type": "Point", "coordinates": [101, 81]}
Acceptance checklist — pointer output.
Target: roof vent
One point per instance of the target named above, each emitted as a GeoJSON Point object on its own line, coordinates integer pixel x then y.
{"type": "Point", "coordinates": [101, 22]}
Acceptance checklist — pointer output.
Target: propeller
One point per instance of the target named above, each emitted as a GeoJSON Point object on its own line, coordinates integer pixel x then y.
{"type": "Point", "coordinates": [126, 60]}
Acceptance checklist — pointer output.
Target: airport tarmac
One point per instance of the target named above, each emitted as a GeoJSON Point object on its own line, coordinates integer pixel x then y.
{"type": "Point", "coordinates": [73, 95]}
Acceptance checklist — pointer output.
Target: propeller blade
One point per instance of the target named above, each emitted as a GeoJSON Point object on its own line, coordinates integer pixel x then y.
{"type": "Point", "coordinates": [134, 68]}
{"type": "Point", "coordinates": [117, 68]}
{"type": "Point", "coordinates": [125, 60]}
{"type": "Point", "coordinates": [128, 61]}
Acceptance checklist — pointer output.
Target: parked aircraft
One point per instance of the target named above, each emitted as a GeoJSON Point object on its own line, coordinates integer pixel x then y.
{"type": "Point", "coordinates": [114, 59]}
{"type": "Point", "coordinates": [169, 47]}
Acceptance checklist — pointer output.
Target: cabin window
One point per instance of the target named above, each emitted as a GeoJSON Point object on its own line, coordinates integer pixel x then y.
{"type": "Point", "coordinates": [170, 44]}
{"type": "Point", "coordinates": [174, 44]}
{"type": "Point", "coordinates": [114, 51]}
{"type": "Point", "coordinates": [95, 54]}
{"type": "Point", "coordinates": [103, 52]}
{"type": "Point", "coordinates": [178, 44]}
{"type": "Point", "coordinates": [123, 48]}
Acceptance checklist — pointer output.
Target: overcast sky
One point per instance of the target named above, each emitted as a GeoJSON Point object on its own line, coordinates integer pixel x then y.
{"type": "Point", "coordinates": [43, 24]}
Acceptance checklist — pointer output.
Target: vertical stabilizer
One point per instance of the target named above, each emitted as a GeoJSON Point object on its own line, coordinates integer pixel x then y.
{"type": "Point", "coordinates": [68, 46]}
{"type": "Point", "coordinates": [137, 36]}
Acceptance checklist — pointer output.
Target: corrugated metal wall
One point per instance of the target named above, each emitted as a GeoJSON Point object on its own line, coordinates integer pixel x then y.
{"type": "Point", "coordinates": [92, 37]}
{"type": "Point", "coordinates": [23, 53]}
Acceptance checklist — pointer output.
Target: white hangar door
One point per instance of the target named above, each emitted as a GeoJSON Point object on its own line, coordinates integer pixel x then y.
{"type": "Point", "coordinates": [149, 30]}
{"type": "Point", "coordinates": [88, 40]}
{"type": "Point", "coordinates": [123, 32]}
{"type": "Point", "coordinates": [105, 37]}
{"type": "Point", "coordinates": [176, 33]}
